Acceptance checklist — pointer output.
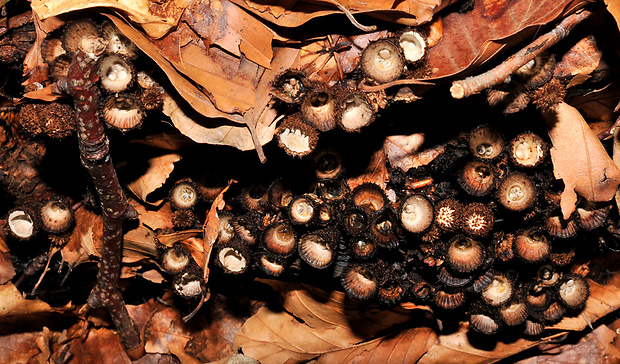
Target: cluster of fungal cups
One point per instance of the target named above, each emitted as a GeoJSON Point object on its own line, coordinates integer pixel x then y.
{"type": "Point", "coordinates": [477, 232]}
{"type": "Point", "coordinates": [316, 108]}
{"type": "Point", "coordinates": [123, 105]}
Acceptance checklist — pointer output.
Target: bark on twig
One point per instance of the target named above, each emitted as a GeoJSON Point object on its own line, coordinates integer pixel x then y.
{"type": "Point", "coordinates": [473, 85]}
{"type": "Point", "coordinates": [95, 157]}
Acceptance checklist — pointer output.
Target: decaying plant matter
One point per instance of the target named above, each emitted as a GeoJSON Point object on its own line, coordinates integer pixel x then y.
{"type": "Point", "coordinates": [386, 218]}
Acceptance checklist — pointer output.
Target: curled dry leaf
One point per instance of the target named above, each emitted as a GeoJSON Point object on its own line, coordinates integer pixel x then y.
{"type": "Point", "coordinates": [85, 239]}
{"type": "Point", "coordinates": [102, 346]}
{"type": "Point", "coordinates": [20, 348]}
{"type": "Point", "coordinates": [376, 172]}
{"type": "Point", "coordinates": [405, 151]}
{"type": "Point", "coordinates": [578, 63]}
{"type": "Point", "coordinates": [295, 13]}
{"type": "Point", "coordinates": [579, 159]}
{"type": "Point", "coordinates": [159, 169]}
{"type": "Point", "coordinates": [471, 38]}
{"type": "Point", "coordinates": [156, 19]}
{"type": "Point", "coordinates": [159, 218]}
{"type": "Point", "coordinates": [166, 328]}
{"type": "Point", "coordinates": [330, 328]}
{"type": "Point", "coordinates": [138, 244]}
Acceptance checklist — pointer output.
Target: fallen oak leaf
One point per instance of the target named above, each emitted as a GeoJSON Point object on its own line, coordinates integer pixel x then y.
{"type": "Point", "coordinates": [159, 169]}
{"type": "Point", "coordinates": [579, 159]}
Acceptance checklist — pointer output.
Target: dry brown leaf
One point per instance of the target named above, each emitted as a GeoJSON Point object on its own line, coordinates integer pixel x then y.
{"type": "Point", "coordinates": [579, 61]}
{"type": "Point", "coordinates": [159, 169]}
{"type": "Point", "coordinates": [156, 18]}
{"type": "Point", "coordinates": [166, 327]}
{"type": "Point", "coordinates": [211, 227]}
{"type": "Point", "coordinates": [19, 347]}
{"type": "Point", "coordinates": [138, 244]}
{"type": "Point", "coordinates": [473, 37]}
{"type": "Point", "coordinates": [160, 218]}
{"type": "Point", "coordinates": [603, 300]}
{"type": "Point", "coordinates": [165, 140]}
{"type": "Point", "coordinates": [599, 104]}
{"type": "Point", "coordinates": [224, 23]}
{"type": "Point", "coordinates": [7, 272]}
{"type": "Point", "coordinates": [579, 159]}
{"type": "Point", "coordinates": [13, 305]}
{"type": "Point", "coordinates": [102, 346]}
{"type": "Point", "coordinates": [456, 348]}
{"type": "Point", "coordinates": [85, 239]}
{"type": "Point", "coordinates": [295, 13]}
{"type": "Point", "coordinates": [324, 326]}
{"type": "Point", "coordinates": [614, 8]}
{"type": "Point", "coordinates": [404, 151]}
{"type": "Point", "coordinates": [34, 66]}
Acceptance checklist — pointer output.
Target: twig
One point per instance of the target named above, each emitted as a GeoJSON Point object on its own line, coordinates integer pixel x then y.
{"type": "Point", "coordinates": [364, 28]}
{"type": "Point", "coordinates": [473, 85]}
{"type": "Point", "coordinates": [95, 157]}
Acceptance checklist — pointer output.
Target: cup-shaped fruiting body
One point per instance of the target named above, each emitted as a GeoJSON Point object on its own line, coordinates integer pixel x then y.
{"type": "Point", "coordinates": [448, 214]}
{"type": "Point", "coordinates": [413, 45]}
{"type": "Point", "coordinates": [233, 257]}
{"type": "Point", "coordinates": [183, 219]}
{"type": "Point", "coordinates": [122, 112]}
{"type": "Point", "coordinates": [356, 112]}
{"type": "Point", "coordinates": [327, 165]}
{"type": "Point", "coordinates": [117, 42]}
{"type": "Point", "coordinates": [532, 245]}
{"type": "Point", "coordinates": [325, 214]}
{"type": "Point", "coordinates": [271, 265]}
{"type": "Point", "coordinates": [592, 216]}
{"type": "Point", "coordinates": [245, 227]}
{"type": "Point", "coordinates": [116, 73]}
{"type": "Point", "coordinates": [369, 197]}
{"type": "Point", "coordinates": [533, 328]}
{"type": "Point", "coordinates": [485, 142]}
{"type": "Point", "coordinates": [188, 285]}
{"type": "Point", "coordinates": [499, 292]}
{"type": "Point", "coordinates": [254, 197]}
{"type": "Point", "coordinates": [362, 247]}
{"type": "Point", "coordinates": [280, 193]}
{"type": "Point", "coordinates": [290, 87]}
{"type": "Point", "coordinates": [383, 228]}
{"type": "Point", "coordinates": [60, 67]}
{"type": "Point", "coordinates": [355, 221]}
{"type": "Point", "coordinates": [548, 276]}
{"type": "Point", "coordinates": [514, 312]}
{"type": "Point", "coordinates": [296, 137]}
{"type": "Point", "coordinates": [174, 260]}
{"type": "Point", "coordinates": [419, 288]}
{"type": "Point", "coordinates": [464, 254]}
{"type": "Point", "coordinates": [391, 290]}
{"type": "Point", "coordinates": [574, 291]}
{"type": "Point", "coordinates": [554, 313]}
{"type": "Point", "coordinates": [484, 323]}
{"type": "Point", "coordinates": [557, 226]}
{"type": "Point", "coordinates": [517, 192]}
{"type": "Point", "coordinates": [453, 280]}
{"type": "Point", "coordinates": [227, 231]}
{"type": "Point", "coordinates": [527, 150]}
{"type": "Point", "coordinates": [477, 178]}
{"type": "Point", "coordinates": [477, 219]}
{"type": "Point", "coordinates": [184, 194]}
{"type": "Point", "coordinates": [481, 282]}
{"type": "Point", "coordinates": [22, 223]}
{"type": "Point", "coordinates": [316, 249]}
{"type": "Point", "coordinates": [279, 238]}
{"type": "Point", "coordinates": [320, 109]}
{"type": "Point", "coordinates": [382, 61]}
{"type": "Point", "coordinates": [416, 213]}
{"type": "Point", "coordinates": [83, 34]}
{"type": "Point", "coordinates": [56, 215]}
{"type": "Point", "coordinates": [538, 71]}
{"type": "Point", "coordinates": [334, 190]}
{"type": "Point", "coordinates": [302, 209]}
{"type": "Point", "coordinates": [538, 298]}
{"type": "Point", "coordinates": [449, 299]}
{"type": "Point", "coordinates": [359, 281]}
{"type": "Point", "coordinates": [51, 48]}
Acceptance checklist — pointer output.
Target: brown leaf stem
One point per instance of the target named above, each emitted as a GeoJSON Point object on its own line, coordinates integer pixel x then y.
{"type": "Point", "coordinates": [473, 85]}
{"type": "Point", "coordinates": [95, 157]}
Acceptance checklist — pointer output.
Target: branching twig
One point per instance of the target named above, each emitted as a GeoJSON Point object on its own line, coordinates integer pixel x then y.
{"type": "Point", "coordinates": [473, 85]}
{"type": "Point", "coordinates": [95, 156]}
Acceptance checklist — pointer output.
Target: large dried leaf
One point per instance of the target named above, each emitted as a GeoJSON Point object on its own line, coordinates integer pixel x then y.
{"type": "Point", "coordinates": [101, 346]}
{"type": "Point", "coordinates": [294, 13]}
{"type": "Point", "coordinates": [156, 18]}
{"type": "Point", "coordinates": [580, 61]}
{"type": "Point", "coordinates": [579, 159]}
{"type": "Point", "coordinates": [471, 38]}
{"type": "Point", "coordinates": [19, 348]}
{"type": "Point", "coordinates": [327, 326]}
{"type": "Point", "coordinates": [13, 305]}
{"type": "Point", "coordinates": [159, 169]}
